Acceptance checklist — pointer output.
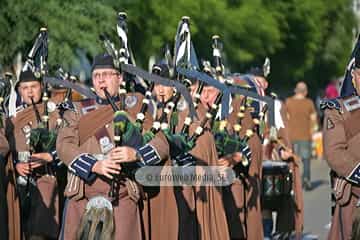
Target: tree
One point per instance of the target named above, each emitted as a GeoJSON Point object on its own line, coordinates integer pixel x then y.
{"type": "Point", "coordinates": [317, 42]}
{"type": "Point", "coordinates": [71, 25]}
{"type": "Point", "coordinates": [306, 39]}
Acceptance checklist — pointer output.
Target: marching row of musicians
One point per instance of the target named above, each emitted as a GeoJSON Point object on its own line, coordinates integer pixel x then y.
{"type": "Point", "coordinates": [67, 166]}
{"type": "Point", "coordinates": [102, 200]}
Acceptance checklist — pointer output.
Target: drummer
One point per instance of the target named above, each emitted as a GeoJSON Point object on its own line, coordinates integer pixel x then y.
{"type": "Point", "coordinates": [277, 146]}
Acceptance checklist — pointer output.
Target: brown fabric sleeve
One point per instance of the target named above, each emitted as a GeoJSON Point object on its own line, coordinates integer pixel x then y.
{"type": "Point", "coordinates": [67, 143]}
{"type": "Point", "coordinates": [205, 150]}
{"type": "Point", "coordinates": [335, 144]}
{"type": "Point", "coordinates": [160, 143]}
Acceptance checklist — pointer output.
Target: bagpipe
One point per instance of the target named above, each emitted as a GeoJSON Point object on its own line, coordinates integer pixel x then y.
{"type": "Point", "coordinates": [125, 134]}
{"type": "Point", "coordinates": [228, 143]}
{"type": "Point", "coordinates": [184, 58]}
{"type": "Point", "coordinates": [186, 67]}
{"type": "Point", "coordinates": [42, 139]}
{"type": "Point", "coordinates": [121, 62]}
{"type": "Point", "coordinates": [5, 88]}
{"type": "Point", "coordinates": [185, 64]}
{"type": "Point", "coordinates": [124, 55]}
{"type": "Point", "coordinates": [161, 123]}
{"type": "Point", "coordinates": [121, 57]}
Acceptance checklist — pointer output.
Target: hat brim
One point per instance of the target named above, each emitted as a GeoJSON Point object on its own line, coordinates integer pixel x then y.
{"type": "Point", "coordinates": [103, 67]}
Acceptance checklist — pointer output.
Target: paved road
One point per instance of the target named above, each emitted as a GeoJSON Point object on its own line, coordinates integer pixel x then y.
{"type": "Point", "coordinates": [317, 202]}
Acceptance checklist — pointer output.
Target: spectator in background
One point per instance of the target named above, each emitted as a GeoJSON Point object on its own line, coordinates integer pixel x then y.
{"type": "Point", "coordinates": [302, 121]}
{"type": "Point", "coordinates": [331, 90]}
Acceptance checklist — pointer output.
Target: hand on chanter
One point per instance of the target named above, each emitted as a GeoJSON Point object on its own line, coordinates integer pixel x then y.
{"type": "Point", "coordinates": [230, 160]}
{"type": "Point", "coordinates": [106, 167]}
{"type": "Point", "coordinates": [123, 154]}
{"type": "Point", "coordinates": [109, 166]}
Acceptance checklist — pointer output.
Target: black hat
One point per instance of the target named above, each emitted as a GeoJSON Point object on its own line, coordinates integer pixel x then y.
{"type": "Point", "coordinates": [103, 61]}
{"type": "Point", "coordinates": [161, 69]}
{"type": "Point", "coordinates": [346, 86]}
{"type": "Point", "coordinates": [28, 76]}
{"type": "Point", "coordinates": [357, 58]}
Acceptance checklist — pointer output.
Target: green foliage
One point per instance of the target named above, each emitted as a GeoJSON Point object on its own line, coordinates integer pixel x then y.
{"type": "Point", "coordinates": [71, 24]}
{"type": "Point", "coordinates": [307, 40]}
{"type": "Point", "coordinates": [317, 41]}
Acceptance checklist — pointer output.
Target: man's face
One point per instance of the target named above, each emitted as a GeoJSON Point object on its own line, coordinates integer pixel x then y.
{"type": "Point", "coordinates": [356, 79]}
{"type": "Point", "coordinates": [163, 93]}
{"type": "Point", "coordinates": [28, 90]}
{"type": "Point", "coordinates": [208, 95]}
{"type": "Point", "coordinates": [106, 78]}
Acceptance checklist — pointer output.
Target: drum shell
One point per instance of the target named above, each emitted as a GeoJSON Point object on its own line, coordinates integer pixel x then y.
{"type": "Point", "coordinates": [276, 185]}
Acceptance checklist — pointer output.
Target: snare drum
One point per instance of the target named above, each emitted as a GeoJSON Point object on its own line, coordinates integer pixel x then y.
{"type": "Point", "coordinates": [276, 184]}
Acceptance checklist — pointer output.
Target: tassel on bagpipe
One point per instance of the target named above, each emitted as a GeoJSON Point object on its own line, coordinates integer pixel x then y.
{"type": "Point", "coordinates": [240, 116]}
{"type": "Point", "coordinates": [42, 139]}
